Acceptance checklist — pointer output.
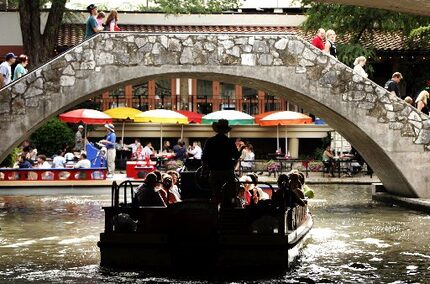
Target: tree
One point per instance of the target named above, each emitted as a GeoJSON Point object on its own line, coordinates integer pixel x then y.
{"type": "Point", "coordinates": [40, 46]}
{"type": "Point", "coordinates": [357, 23]}
{"type": "Point", "coordinates": [52, 136]}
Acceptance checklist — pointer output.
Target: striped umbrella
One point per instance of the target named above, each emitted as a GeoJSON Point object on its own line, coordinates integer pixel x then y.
{"type": "Point", "coordinates": [234, 117]}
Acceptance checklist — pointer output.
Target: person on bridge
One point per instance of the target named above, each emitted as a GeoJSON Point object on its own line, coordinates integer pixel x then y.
{"type": "Point", "coordinates": [6, 70]}
{"type": "Point", "coordinates": [392, 85]}
{"type": "Point", "coordinates": [318, 40]}
{"type": "Point", "coordinates": [111, 24]}
{"type": "Point", "coordinates": [330, 44]}
{"type": "Point", "coordinates": [358, 66]}
{"type": "Point", "coordinates": [110, 142]}
{"type": "Point", "coordinates": [421, 102]}
{"type": "Point", "coordinates": [20, 68]}
{"type": "Point", "coordinates": [220, 156]}
{"type": "Point", "coordinates": [91, 26]}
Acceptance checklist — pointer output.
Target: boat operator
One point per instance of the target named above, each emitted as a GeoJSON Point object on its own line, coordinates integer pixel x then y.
{"type": "Point", "coordinates": [220, 156]}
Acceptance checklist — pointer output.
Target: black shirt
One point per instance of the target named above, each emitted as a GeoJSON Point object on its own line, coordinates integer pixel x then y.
{"type": "Point", "coordinates": [220, 153]}
{"type": "Point", "coordinates": [392, 86]}
{"type": "Point", "coordinates": [333, 50]}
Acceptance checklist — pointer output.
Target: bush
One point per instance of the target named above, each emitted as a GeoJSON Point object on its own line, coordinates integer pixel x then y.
{"type": "Point", "coordinates": [11, 158]}
{"type": "Point", "coordinates": [52, 136]}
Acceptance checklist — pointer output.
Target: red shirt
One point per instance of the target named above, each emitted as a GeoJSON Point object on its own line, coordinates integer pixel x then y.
{"type": "Point", "coordinates": [318, 42]}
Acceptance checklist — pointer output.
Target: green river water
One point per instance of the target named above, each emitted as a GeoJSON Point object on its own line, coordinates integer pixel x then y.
{"type": "Point", "coordinates": [53, 238]}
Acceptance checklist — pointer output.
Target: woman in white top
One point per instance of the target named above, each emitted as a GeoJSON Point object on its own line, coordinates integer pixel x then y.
{"type": "Point", "coordinates": [358, 66]}
{"type": "Point", "coordinates": [421, 101]}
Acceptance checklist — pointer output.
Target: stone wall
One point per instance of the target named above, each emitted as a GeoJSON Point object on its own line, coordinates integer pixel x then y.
{"type": "Point", "coordinates": [376, 122]}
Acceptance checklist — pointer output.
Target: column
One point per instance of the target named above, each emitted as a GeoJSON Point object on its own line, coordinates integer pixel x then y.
{"type": "Point", "coordinates": [261, 106]}
{"type": "Point", "coordinates": [128, 96]}
{"type": "Point", "coordinates": [293, 147]}
{"type": "Point", "coordinates": [106, 100]}
{"type": "Point", "coordinates": [194, 95]}
{"type": "Point", "coordinates": [216, 95]}
{"type": "Point", "coordinates": [173, 93]}
{"type": "Point", "coordinates": [239, 97]}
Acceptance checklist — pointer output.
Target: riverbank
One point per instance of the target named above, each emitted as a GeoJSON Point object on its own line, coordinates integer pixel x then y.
{"type": "Point", "coordinates": [313, 178]}
{"type": "Point", "coordinates": [418, 204]}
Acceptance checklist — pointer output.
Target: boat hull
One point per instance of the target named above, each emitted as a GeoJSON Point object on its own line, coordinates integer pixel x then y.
{"type": "Point", "coordinates": [203, 252]}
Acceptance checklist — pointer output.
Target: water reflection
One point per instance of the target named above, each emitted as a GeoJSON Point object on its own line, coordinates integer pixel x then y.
{"type": "Point", "coordinates": [53, 238]}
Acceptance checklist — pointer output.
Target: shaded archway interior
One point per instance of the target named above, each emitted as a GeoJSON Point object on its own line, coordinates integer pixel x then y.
{"type": "Point", "coordinates": [366, 146]}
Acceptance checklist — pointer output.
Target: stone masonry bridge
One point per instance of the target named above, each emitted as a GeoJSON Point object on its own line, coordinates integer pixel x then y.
{"type": "Point", "coordinates": [392, 136]}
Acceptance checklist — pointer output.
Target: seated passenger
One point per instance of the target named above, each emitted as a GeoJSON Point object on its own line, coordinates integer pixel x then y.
{"type": "Point", "coordinates": [148, 194]}
{"type": "Point", "coordinates": [247, 195]}
{"type": "Point", "coordinates": [23, 163]}
{"type": "Point", "coordinates": [262, 195]}
{"type": "Point", "coordinates": [83, 163]}
{"type": "Point", "coordinates": [289, 191]}
{"type": "Point", "coordinates": [172, 192]}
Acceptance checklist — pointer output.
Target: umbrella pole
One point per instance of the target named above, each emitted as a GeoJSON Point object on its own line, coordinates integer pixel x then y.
{"type": "Point", "coordinates": [182, 131]}
{"type": "Point", "coordinates": [161, 137]}
{"type": "Point", "coordinates": [286, 142]}
{"type": "Point", "coordinates": [277, 138]}
{"type": "Point", "coordinates": [122, 139]}
{"type": "Point", "coordinates": [85, 139]}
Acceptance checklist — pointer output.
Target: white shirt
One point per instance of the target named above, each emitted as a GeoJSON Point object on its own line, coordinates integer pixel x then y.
{"type": "Point", "coordinates": [249, 156]}
{"type": "Point", "coordinates": [147, 151]}
{"type": "Point", "coordinates": [69, 156]}
{"type": "Point", "coordinates": [196, 152]}
{"type": "Point", "coordinates": [6, 72]}
{"type": "Point", "coordinates": [58, 162]}
{"type": "Point", "coordinates": [83, 164]}
{"type": "Point", "coordinates": [358, 69]}
{"type": "Point", "coordinates": [45, 165]}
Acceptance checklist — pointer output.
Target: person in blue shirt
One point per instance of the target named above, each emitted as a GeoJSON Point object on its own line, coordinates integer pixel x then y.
{"type": "Point", "coordinates": [23, 163]}
{"type": "Point", "coordinates": [91, 25]}
{"type": "Point", "coordinates": [110, 142]}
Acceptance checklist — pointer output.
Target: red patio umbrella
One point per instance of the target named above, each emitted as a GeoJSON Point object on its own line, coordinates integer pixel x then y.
{"type": "Point", "coordinates": [193, 117]}
{"type": "Point", "coordinates": [87, 116]}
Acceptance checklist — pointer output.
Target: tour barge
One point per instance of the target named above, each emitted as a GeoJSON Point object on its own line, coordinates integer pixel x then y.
{"type": "Point", "coordinates": [198, 234]}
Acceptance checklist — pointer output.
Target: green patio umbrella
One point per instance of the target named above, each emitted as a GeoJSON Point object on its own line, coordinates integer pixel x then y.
{"type": "Point", "coordinates": [234, 117]}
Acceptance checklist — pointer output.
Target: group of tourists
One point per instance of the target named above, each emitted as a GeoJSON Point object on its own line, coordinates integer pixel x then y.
{"type": "Point", "coordinates": [159, 189]}
{"type": "Point", "coordinates": [12, 68]}
{"type": "Point", "coordinates": [96, 21]}
{"type": "Point", "coordinates": [179, 152]}
{"type": "Point", "coordinates": [326, 41]}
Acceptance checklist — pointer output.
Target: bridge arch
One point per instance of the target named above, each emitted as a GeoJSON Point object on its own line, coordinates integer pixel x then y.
{"type": "Point", "coordinates": [391, 135]}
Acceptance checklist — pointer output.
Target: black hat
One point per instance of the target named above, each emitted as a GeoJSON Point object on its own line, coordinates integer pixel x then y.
{"type": "Point", "coordinates": [9, 56]}
{"type": "Point", "coordinates": [91, 7]}
{"type": "Point", "coordinates": [221, 126]}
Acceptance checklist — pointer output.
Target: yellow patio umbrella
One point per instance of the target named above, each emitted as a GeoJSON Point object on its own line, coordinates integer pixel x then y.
{"type": "Point", "coordinates": [162, 116]}
{"type": "Point", "coordinates": [123, 114]}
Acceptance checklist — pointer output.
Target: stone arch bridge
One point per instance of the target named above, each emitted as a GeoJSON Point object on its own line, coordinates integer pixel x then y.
{"type": "Point", "coordinates": [392, 136]}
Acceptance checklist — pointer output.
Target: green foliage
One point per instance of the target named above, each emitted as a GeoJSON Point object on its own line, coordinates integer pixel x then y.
{"type": "Point", "coordinates": [347, 53]}
{"type": "Point", "coordinates": [52, 136]}
{"type": "Point", "coordinates": [195, 6]}
{"type": "Point", "coordinates": [421, 34]}
{"type": "Point", "coordinates": [11, 158]}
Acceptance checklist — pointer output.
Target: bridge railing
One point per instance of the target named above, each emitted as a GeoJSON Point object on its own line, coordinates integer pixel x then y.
{"type": "Point", "coordinates": [52, 174]}
{"type": "Point", "coordinates": [282, 165]}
